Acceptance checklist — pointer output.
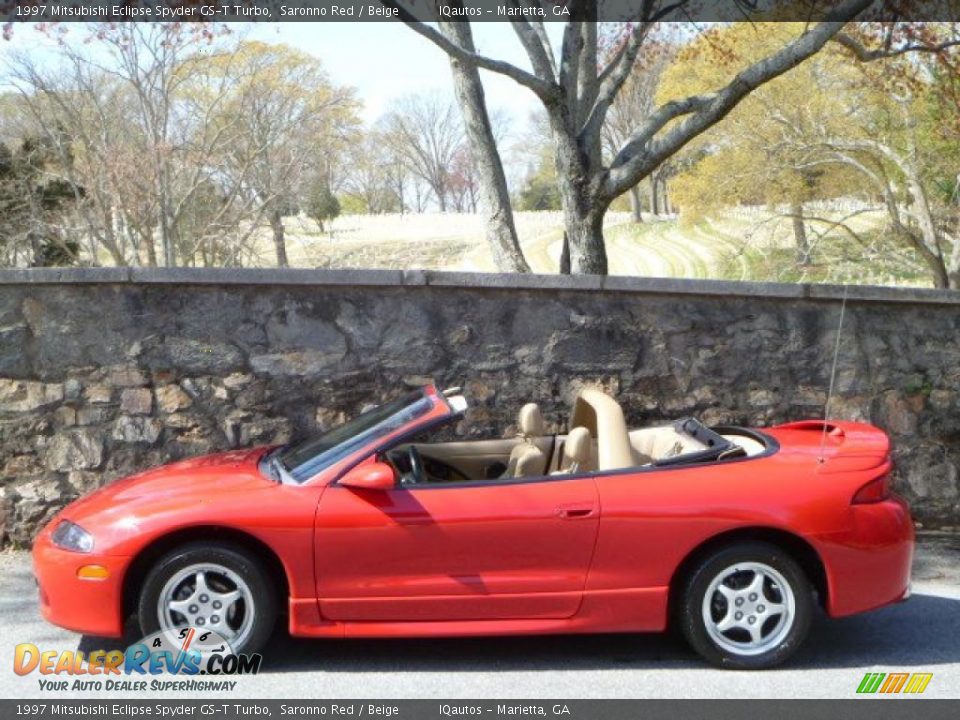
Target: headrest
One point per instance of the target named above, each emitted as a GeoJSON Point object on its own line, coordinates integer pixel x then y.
{"type": "Point", "coordinates": [530, 421]}
{"type": "Point", "coordinates": [530, 462]}
{"type": "Point", "coordinates": [578, 446]}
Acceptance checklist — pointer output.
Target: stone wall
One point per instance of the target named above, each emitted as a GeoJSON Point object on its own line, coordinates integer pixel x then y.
{"type": "Point", "coordinates": [104, 372]}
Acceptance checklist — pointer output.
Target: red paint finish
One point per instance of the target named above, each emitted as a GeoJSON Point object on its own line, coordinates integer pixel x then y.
{"type": "Point", "coordinates": [588, 553]}
{"type": "Point", "coordinates": [455, 553]}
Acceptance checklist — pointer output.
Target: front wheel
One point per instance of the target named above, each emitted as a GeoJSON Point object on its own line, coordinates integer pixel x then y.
{"type": "Point", "coordinates": [747, 606]}
{"type": "Point", "coordinates": [210, 587]}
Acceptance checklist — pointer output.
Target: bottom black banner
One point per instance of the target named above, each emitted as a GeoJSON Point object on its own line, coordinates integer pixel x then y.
{"type": "Point", "coordinates": [860, 709]}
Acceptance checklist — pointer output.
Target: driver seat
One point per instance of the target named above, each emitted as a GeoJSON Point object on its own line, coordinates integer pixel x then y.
{"type": "Point", "coordinates": [578, 453]}
{"type": "Point", "coordinates": [526, 459]}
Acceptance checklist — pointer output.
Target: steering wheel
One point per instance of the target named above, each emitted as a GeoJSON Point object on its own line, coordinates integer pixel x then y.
{"type": "Point", "coordinates": [440, 472]}
{"type": "Point", "coordinates": [416, 464]}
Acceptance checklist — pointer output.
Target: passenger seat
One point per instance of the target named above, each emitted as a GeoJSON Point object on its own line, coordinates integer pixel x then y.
{"type": "Point", "coordinates": [578, 454]}
{"type": "Point", "coordinates": [526, 459]}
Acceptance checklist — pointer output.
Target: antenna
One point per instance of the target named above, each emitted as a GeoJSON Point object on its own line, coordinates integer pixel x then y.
{"type": "Point", "coordinates": [833, 376]}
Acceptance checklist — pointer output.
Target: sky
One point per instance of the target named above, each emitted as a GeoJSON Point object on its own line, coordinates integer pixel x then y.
{"type": "Point", "coordinates": [383, 61]}
{"type": "Point", "coordinates": [387, 60]}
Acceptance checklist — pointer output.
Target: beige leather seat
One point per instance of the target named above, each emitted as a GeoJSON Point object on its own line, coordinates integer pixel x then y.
{"type": "Point", "coordinates": [526, 459]}
{"type": "Point", "coordinates": [578, 453]}
{"type": "Point", "coordinates": [659, 443]}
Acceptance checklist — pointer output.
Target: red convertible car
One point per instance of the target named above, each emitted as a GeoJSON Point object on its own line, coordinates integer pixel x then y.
{"type": "Point", "coordinates": [388, 525]}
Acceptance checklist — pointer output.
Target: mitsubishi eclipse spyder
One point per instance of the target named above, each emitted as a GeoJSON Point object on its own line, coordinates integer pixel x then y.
{"type": "Point", "coordinates": [390, 525]}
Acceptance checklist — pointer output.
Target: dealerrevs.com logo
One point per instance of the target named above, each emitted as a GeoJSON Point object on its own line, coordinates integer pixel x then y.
{"type": "Point", "coordinates": [182, 652]}
{"type": "Point", "coordinates": [893, 683]}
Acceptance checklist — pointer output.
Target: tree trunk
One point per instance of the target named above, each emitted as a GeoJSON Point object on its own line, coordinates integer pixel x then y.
{"type": "Point", "coordinates": [635, 204]}
{"type": "Point", "coordinates": [800, 233]}
{"type": "Point", "coordinates": [941, 278]}
{"type": "Point", "coordinates": [654, 206]}
{"type": "Point", "coordinates": [565, 256]}
{"type": "Point", "coordinates": [279, 240]}
{"type": "Point", "coordinates": [36, 250]}
{"type": "Point", "coordinates": [491, 179]}
{"type": "Point", "coordinates": [582, 211]}
{"type": "Point", "coordinates": [588, 254]}
{"type": "Point", "coordinates": [151, 247]}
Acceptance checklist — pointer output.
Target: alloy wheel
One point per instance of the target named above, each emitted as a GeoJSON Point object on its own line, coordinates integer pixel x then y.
{"type": "Point", "coordinates": [208, 596]}
{"type": "Point", "coordinates": [748, 608]}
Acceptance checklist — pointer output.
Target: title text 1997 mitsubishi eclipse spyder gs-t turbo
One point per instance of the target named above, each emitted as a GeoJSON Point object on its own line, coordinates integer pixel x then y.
{"type": "Point", "coordinates": [385, 527]}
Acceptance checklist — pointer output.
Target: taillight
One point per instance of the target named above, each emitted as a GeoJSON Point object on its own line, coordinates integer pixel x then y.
{"type": "Point", "coordinates": [874, 491]}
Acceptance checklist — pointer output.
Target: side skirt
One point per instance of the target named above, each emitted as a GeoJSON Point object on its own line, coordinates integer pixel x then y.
{"type": "Point", "coordinates": [632, 610]}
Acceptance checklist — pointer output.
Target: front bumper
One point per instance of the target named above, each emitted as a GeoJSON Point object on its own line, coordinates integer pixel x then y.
{"type": "Point", "coordinates": [868, 565]}
{"type": "Point", "coordinates": [89, 606]}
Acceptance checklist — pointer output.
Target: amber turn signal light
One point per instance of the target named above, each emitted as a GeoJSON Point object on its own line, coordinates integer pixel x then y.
{"type": "Point", "coordinates": [93, 572]}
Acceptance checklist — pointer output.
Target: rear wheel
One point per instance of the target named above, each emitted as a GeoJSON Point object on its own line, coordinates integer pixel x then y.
{"type": "Point", "coordinates": [210, 587]}
{"type": "Point", "coordinates": [747, 606]}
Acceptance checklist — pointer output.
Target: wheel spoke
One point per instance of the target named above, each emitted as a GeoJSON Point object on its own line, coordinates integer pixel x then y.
{"type": "Point", "coordinates": [201, 583]}
{"type": "Point", "coordinates": [756, 634]}
{"type": "Point", "coordinates": [756, 585]}
{"type": "Point", "coordinates": [728, 592]}
{"type": "Point", "coordinates": [222, 628]}
{"type": "Point", "coordinates": [182, 607]}
{"type": "Point", "coordinates": [227, 598]}
{"type": "Point", "coordinates": [774, 609]}
{"type": "Point", "coordinates": [727, 623]}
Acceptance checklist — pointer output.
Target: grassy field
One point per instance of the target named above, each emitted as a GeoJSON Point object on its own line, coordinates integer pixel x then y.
{"type": "Point", "coordinates": [734, 246]}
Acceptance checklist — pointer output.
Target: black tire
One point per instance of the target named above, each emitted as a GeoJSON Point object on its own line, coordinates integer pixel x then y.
{"type": "Point", "coordinates": [246, 566]}
{"type": "Point", "coordinates": [691, 613]}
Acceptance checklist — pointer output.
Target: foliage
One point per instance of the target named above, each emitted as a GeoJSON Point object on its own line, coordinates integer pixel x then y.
{"type": "Point", "coordinates": [321, 204]}
{"type": "Point", "coordinates": [32, 202]}
{"type": "Point", "coordinates": [540, 191]}
{"type": "Point", "coordinates": [831, 127]}
{"type": "Point", "coordinates": [185, 144]}
{"type": "Point", "coordinates": [744, 159]}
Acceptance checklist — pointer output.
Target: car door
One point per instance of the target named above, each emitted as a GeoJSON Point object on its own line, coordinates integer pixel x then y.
{"type": "Point", "coordinates": [467, 551]}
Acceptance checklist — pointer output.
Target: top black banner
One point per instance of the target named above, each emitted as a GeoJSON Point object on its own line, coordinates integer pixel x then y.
{"type": "Point", "coordinates": [214, 11]}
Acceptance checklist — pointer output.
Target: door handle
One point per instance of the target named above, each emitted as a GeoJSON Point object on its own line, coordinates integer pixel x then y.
{"type": "Point", "coordinates": [572, 512]}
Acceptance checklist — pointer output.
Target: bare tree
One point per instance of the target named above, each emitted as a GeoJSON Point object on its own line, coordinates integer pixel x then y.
{"type": "Point", "coordinates": [377, 176]}
{"type": "Point", "coordinates": [134, 150]}
{"type": "Point", "coordinates": [637, 99]}
{"type": "Point", "coordinates": [146, 58]}
{"type": "Point", "coordinates": [285, 114]}
{"type": "Point", "coordinates": [425, 131]}
{"type": "Point", "coordinates": [487, 178]}
{"type": "Point", "coordinates": [181, 140]}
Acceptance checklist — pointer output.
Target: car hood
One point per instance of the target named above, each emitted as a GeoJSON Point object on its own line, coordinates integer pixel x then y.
{"type": "Point", "coordinates": [204, 477]}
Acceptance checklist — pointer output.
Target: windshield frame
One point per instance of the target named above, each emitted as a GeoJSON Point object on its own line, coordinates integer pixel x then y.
{"type": "Point", "coordinates": [400, 412]}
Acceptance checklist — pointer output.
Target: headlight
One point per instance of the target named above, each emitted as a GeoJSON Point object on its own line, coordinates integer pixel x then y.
{"type": "Point", "coordinates": [71, 536]}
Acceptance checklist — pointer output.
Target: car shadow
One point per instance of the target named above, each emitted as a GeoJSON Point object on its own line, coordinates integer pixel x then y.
{"type": "Point", "coordinates": [921, 632]}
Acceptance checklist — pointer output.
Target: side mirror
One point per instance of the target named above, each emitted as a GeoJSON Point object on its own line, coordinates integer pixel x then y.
{"type": "Point", "coordinates": [372, 476]}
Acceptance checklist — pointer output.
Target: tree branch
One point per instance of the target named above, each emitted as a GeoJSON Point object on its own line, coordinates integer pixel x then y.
{"type": "Point", "coordinates": [633, 163]}
{"type": "Point", "coordinates": [613, 76]}
{"type": "Point", "coordinates": [541, 64]}
{"type": "Point", "coordinates": [570, 59]}
{"type": "Point", "coordinates": [545, 90]}
{"type": "Point", "coordinates": [864, 54]}
{"type": "Point", "coordinates": [541, 32]}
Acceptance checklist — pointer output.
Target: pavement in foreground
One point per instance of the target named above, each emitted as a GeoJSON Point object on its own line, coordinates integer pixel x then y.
{"type": "Point", "coordinates": [921, 635]}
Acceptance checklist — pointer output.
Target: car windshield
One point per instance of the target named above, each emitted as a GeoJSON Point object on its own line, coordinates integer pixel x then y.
{"type": "Point", "coordinates": [305, 459]}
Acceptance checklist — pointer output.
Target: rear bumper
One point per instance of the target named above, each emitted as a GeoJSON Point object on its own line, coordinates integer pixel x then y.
{"type": "Point", "coordinates": [92, 607]}
{"type": "Point", "coordinates": [868, 565]}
